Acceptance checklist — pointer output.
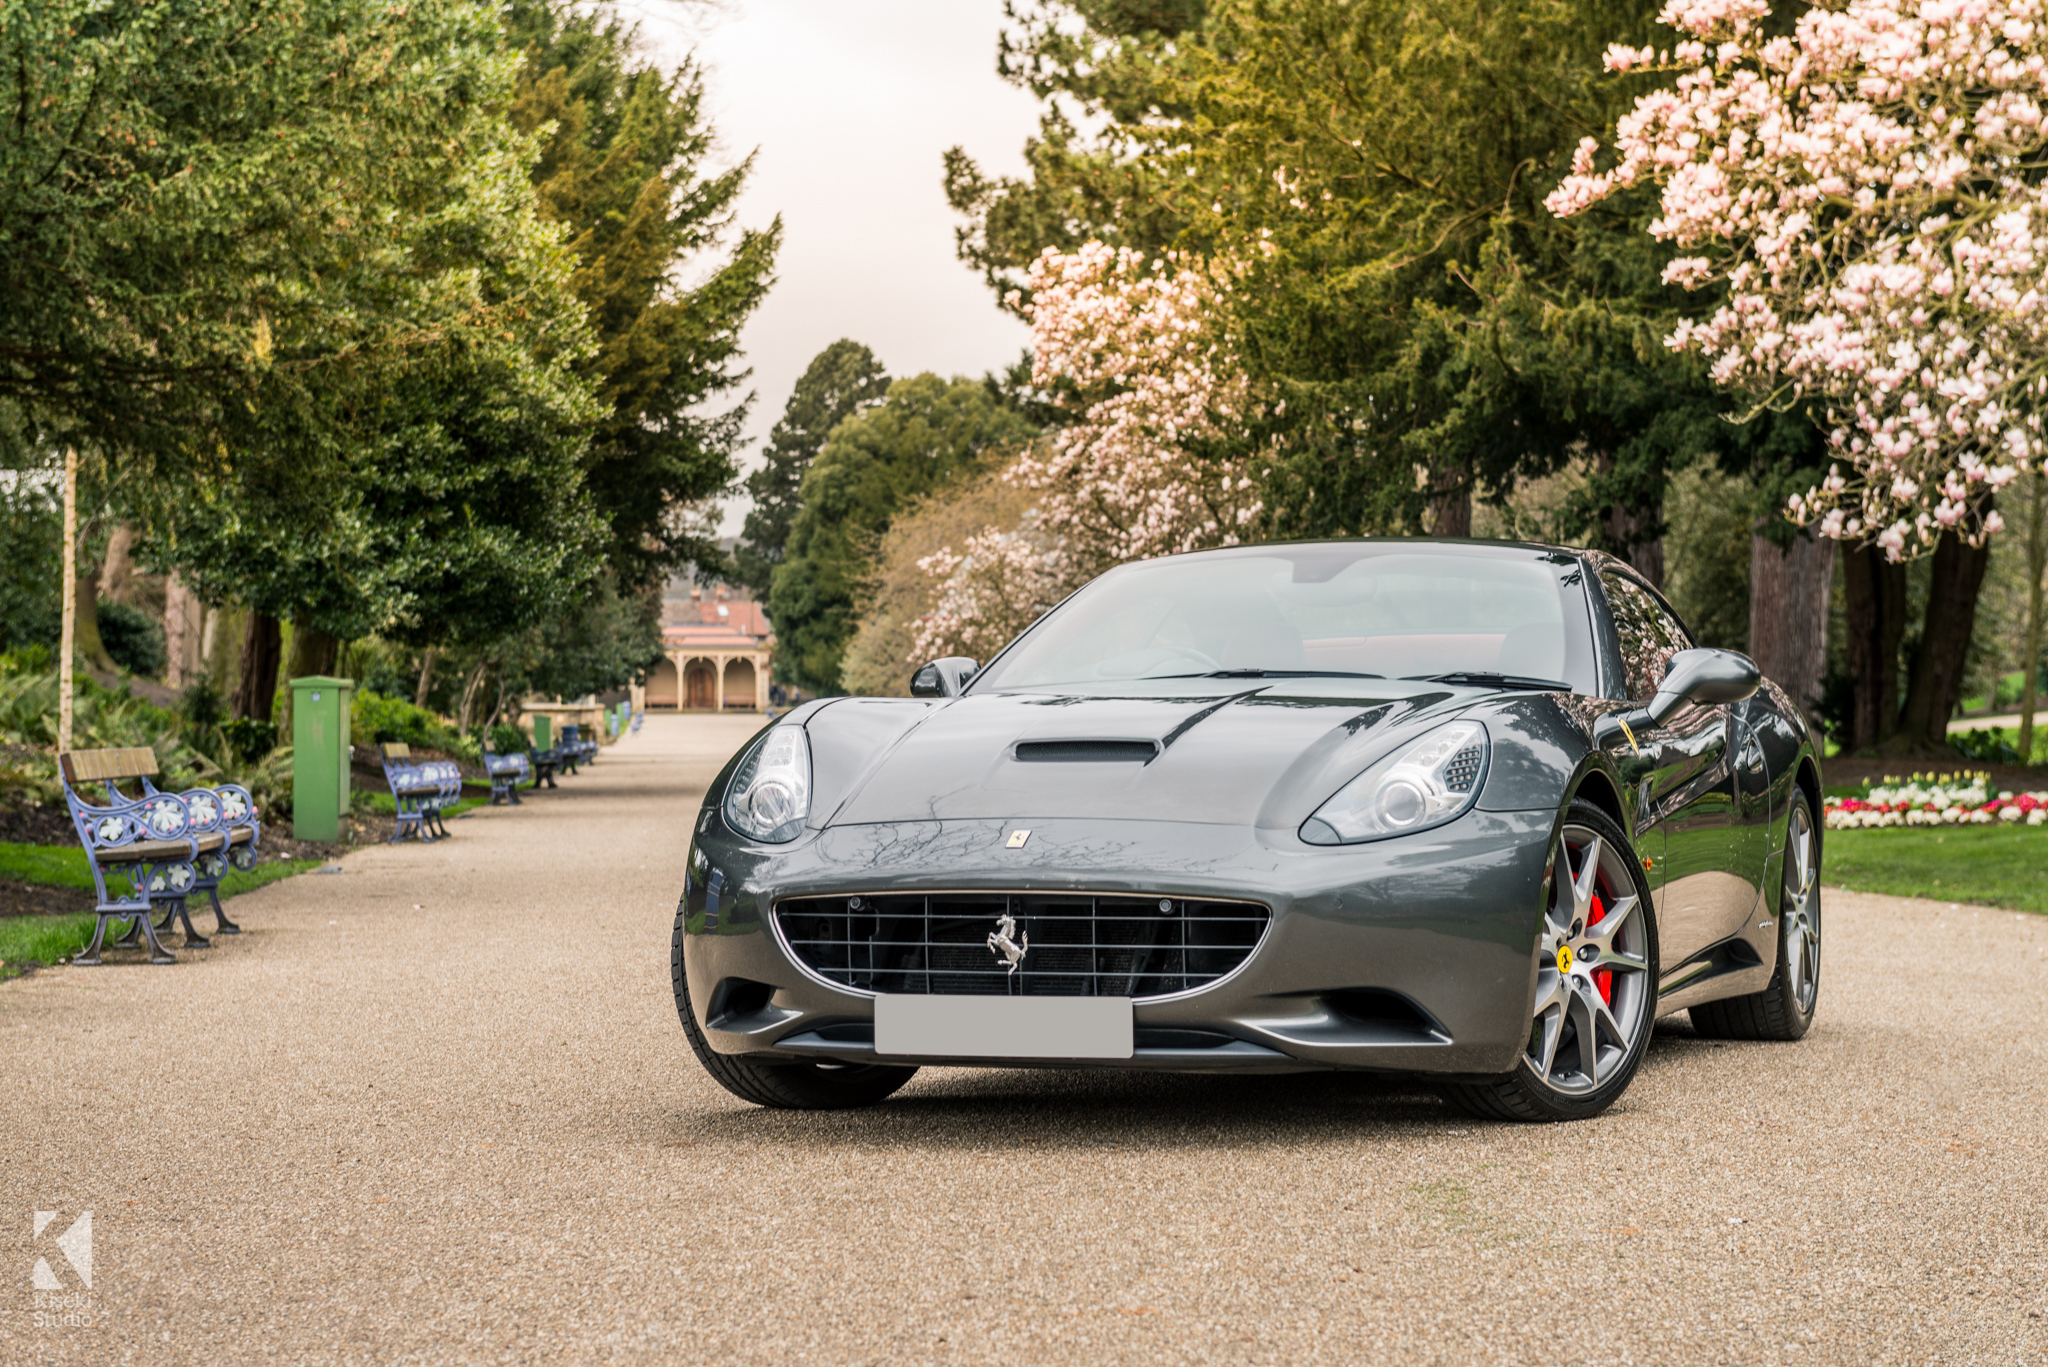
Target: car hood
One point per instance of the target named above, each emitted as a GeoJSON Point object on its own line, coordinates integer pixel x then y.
{"type": "Point", "coordinates": [1240, 752]}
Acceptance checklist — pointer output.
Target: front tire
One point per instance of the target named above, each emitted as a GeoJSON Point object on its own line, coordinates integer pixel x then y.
{"type": "Point", "coordinates": [1784, 1009]}
{"type": "Point", "coordinates": [1596, 984]}
{"type": "Point", "coordinates": [785, 1084]}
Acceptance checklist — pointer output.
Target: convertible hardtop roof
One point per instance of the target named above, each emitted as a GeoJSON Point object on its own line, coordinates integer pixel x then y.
{"type": "Point", "coordinates": [1485, 543]}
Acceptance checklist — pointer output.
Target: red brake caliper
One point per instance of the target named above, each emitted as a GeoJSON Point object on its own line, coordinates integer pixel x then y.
{"type": "Point", "coordinates": [1603, 978]}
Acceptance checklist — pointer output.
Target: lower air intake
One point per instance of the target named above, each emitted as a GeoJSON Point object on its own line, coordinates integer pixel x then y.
{"type": "Point", "coordinates": [1072, 946]}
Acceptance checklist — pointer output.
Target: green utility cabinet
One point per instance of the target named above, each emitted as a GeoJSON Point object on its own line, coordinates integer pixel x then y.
{"type": "Point", "coordinates": [320, 755]}
{"type": "Point", "coordinates": [543, 733]}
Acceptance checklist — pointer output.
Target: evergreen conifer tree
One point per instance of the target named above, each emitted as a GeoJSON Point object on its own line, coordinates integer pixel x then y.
{"type": "Point", "coordinates": [840, 381]}
{"type": "Point", "coordinates": [623, 169]}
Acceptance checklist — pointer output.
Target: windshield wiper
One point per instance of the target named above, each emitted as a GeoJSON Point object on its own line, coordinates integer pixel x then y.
{"type": "Point", "coordinates": [1481, 678]}
{"type": "Point", "coordinates": [1272, 674]}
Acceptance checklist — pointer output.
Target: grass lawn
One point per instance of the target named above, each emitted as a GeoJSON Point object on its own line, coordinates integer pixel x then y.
{"type": "Point", "coordinates": [1996, 866]}
{"type": "Point", "coordinates": [45, 939]}
{"type": "Point", "coordinates": [383, 802]}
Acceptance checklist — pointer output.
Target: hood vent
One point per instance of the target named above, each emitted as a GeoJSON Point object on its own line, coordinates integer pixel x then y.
{"type": "Point", "coordinates": [1087, 751]}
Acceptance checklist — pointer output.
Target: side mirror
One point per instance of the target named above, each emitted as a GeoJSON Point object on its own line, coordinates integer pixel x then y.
{"type": "Point", "coordinates": [944, 678]}
{"type": "Point", "coordinates": [1694, 676]}
{"type": "Point", "coordinates": [1704, 676]}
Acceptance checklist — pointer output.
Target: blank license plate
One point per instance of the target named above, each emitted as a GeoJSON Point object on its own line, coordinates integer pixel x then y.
{"type": "Point", "coordinates": [1003, 1027]}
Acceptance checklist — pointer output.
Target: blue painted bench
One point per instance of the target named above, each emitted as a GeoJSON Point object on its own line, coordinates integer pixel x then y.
{"type": "Point", "coordinates": [574, 749]}
{"type": "Point", "coordinates": [165, 847]}
{"type": "Point", "coordinates": [507, 773]}
{"type": "Point", "coordinates": [420, 792]}
{"type": "Point", "coordinates": [639, 717]}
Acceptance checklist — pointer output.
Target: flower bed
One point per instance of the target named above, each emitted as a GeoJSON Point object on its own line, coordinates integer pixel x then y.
{"type": "Point", "coordinates": [1963, 799]}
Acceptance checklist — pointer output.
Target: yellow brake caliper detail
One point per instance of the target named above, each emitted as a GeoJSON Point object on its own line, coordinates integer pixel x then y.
{"type": "Point", "coordinates": [1564, 958]}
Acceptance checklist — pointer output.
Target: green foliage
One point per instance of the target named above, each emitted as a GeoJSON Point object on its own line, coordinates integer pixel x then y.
{"type": "Point", "coordinates": [188, 752]}
{"type": "Point", "coordinates": [605, 642]}
{"type": "Point", "coordinates": [251, 737]}
{"type": "Point", "coordinates": [924, 433]}
{"type": "Point", "coordinates": [375, 719]}
{"type": "Point", "coordinates": [452, 507]}
{"type": "Point", "coordinates": [220, 212]}
{"type": "Point", "coordinates": [31, 567]}
{"type": "Point", "coordinates": [508, 740]}
{"type": "Point", "coordinates": [1708, 545]}
{"type": "Point", "coordinates": [1986, 746]}
{"type": "Point", "coordinates": [624, 170]}
{"type": "Point", "coordinates": [843, 379]}
{"type": "Point", "coordinates": [133, 638]}
{"type": "Point", "coordinates": [1377, 170]}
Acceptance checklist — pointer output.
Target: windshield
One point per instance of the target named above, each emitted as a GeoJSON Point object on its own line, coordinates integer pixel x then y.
{"type": "Point", "coordinates": [1397, 610]}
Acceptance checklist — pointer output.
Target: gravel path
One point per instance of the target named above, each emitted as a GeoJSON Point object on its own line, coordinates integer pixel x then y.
{"type": "Point", "coordinates": [438, 1108]}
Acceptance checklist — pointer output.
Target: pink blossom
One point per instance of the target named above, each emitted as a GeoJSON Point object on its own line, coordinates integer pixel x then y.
{"type": "Point", "coordinates": [1142, 345]}
{"type": "Point", "coordinates": [1863, 187]}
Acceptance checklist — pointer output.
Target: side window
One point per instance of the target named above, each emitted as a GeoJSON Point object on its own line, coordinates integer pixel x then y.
{"type": "Point", "coordinates": [1650, 636]}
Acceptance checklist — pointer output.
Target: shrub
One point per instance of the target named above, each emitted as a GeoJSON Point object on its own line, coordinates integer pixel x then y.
{"type": "Point", "coordinates": [1986, 747]}
{"type": "Point", "coordinates": [507, 740]}
{"type": "Point", "coordinates": [134, 640]}
{"type": "Point", "coordinates": [377, 719]}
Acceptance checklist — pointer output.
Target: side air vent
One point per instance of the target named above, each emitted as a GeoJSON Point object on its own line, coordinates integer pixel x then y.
{"type": "Point", "coordinates": [1087, 751]}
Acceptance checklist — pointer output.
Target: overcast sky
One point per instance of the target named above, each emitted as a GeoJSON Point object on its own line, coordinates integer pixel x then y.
{"type": "Point", "coordinates": [850, 104]}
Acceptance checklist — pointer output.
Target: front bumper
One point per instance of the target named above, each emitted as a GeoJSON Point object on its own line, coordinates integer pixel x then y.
{"type": "Point", "coordinates": [1444, 921]}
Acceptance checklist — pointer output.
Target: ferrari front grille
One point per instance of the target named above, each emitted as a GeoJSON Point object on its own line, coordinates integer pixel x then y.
{"type": "Point", "coordinates": [1021, 944]}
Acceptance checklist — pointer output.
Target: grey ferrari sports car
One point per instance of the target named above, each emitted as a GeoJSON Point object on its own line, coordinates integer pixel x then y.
{"type": "Point", "coordinates": [1475, 810]}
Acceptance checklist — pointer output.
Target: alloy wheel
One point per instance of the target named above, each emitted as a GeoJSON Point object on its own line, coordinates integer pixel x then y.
{"type": "Point", "coordinates": [1593, 988]}
{"type": "Point", "coordinates": [1802, 911]}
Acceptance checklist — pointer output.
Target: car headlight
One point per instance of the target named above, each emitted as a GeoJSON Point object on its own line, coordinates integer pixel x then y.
{"type": "Point", "coordinates": [770, 797]}
{"type": "Point", "coordinates": [1423, 784]}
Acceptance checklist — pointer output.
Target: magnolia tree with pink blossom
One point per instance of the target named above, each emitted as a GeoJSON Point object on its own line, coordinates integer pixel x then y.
{"type": "Point", "coordinates": [1137, 348]}
{"type": "Point", "coordinates": [1872, 191]}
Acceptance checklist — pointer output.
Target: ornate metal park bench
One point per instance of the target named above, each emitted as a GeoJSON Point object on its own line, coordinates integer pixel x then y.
{"type": "Point", "coordinates": [573, 749]}
{"type": "Point", "coordinates": [545, 763]}
{"type": "Point", "coordinates": [639, 717]}
{"type": "Point", "coordinates": [507, 773]}
{"type": "Point", "coordinates": [166, 847]}
{"type": "Point", "coordinates": [420, 792]}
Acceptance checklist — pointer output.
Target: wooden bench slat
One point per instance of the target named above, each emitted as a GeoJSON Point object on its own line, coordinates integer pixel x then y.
{"type": "Point", "coordinates": [148, 851]}
{"type": "Point", "coordinates": [397, 749]}
{"type": "Point", "coordinates": [95, 766]}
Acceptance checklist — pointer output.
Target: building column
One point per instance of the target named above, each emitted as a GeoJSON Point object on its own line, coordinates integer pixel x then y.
{"type": "Point", "coordinates": [719, 693]}
{"type": "Point", "coordinates": [760, 683]}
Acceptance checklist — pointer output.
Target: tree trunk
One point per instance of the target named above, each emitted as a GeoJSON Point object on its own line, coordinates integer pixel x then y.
{"type": "Point", "coordinates": [469, 691]}
{"type": "Point", "coordinates": [222, 649]}
{"type": "Point", "coordinates": [2037, 564]}
{"type": "Point", "coordinates": [184, 631]}
{"type": "Point", "coordinates": [1874, 595]}
{"type": "Point", "coordinates": [117, 570]}
{"type": "Point", "coordinates": [426, 677]}
{"type": "Point", "coordinates": [1450, 507]}
{"type": "Point", "coordinates": [87, 628]}
{"type": "Point", "coordinates": [1937, 682]}
{"type": "Point", "coordinates": [1788, 613]}
{"type": "Point", "coordinates": [262, 645]}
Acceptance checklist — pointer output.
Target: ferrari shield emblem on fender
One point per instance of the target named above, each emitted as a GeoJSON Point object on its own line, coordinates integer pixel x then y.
{"type": "Point", "coordinates": [1007, 945]}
